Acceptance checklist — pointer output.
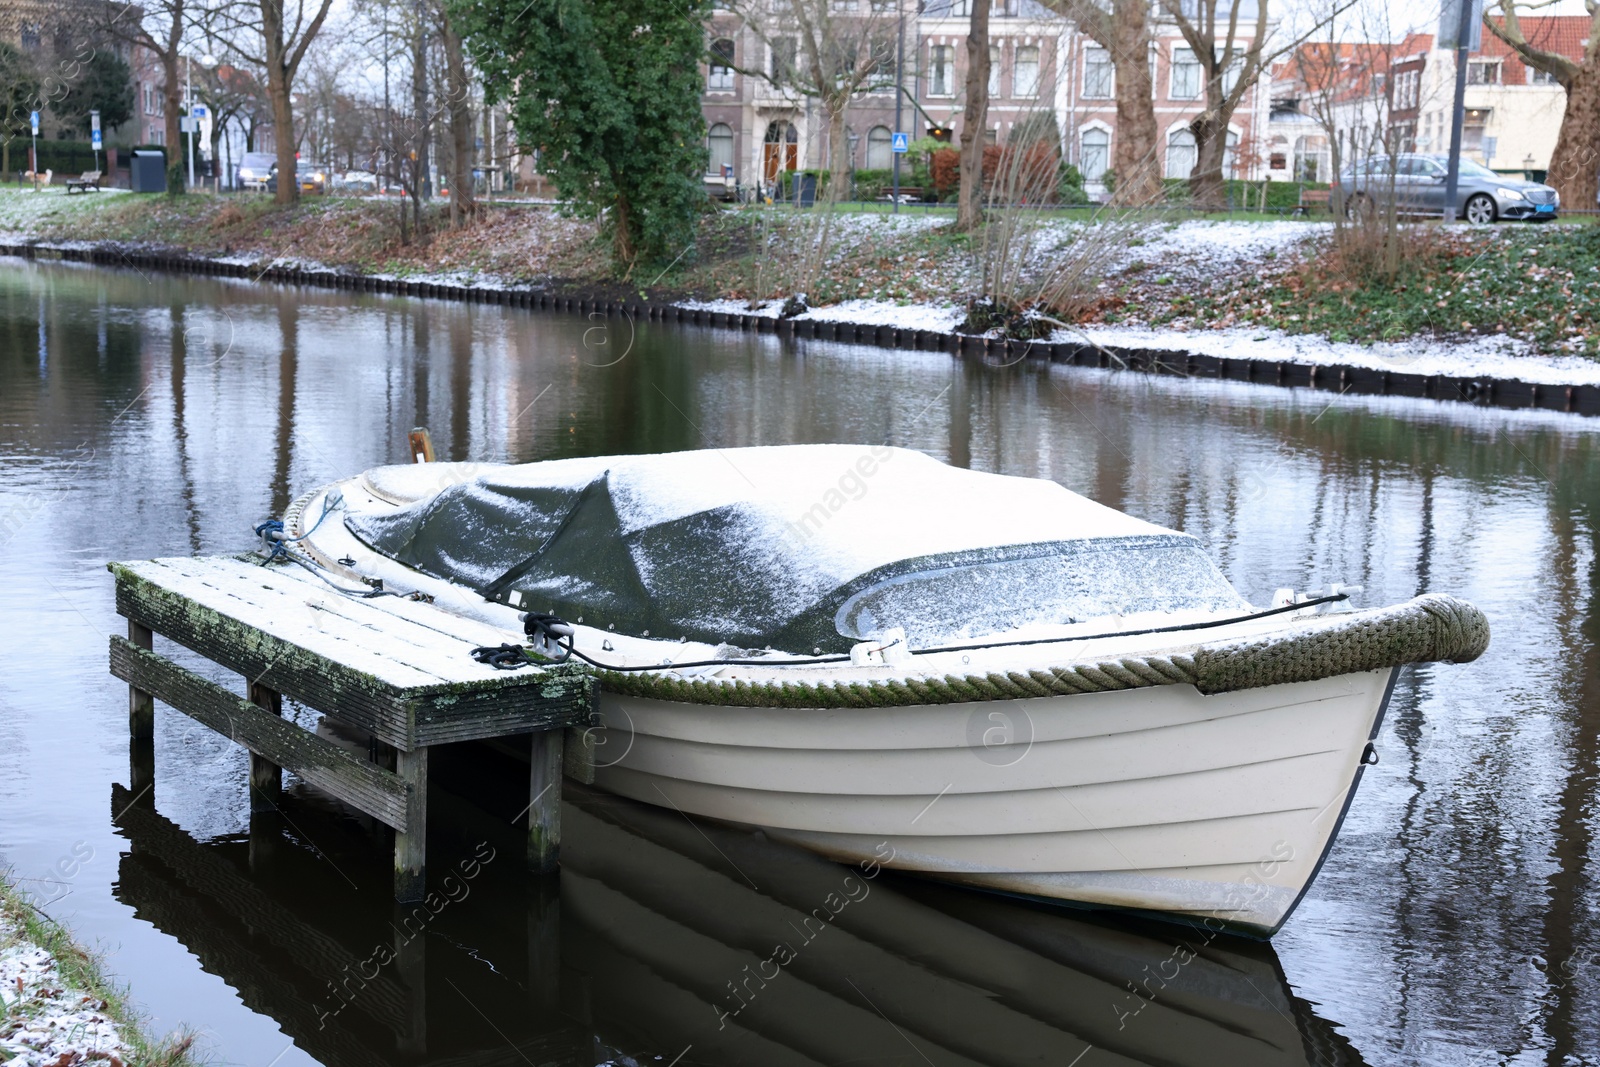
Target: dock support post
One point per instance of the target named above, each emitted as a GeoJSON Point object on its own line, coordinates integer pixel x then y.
{"type": "Point", "coordinates": [266, 777]}
{"type": "Point", "coordinates": [544, 944]}
{"type": "Point", "coordinates": [411, 847]}
{"type": "Point", "coordinates": [141, 705]}
{"type": "Point", "coordinates": [544, 802]}
{"type": "Point", "coordinates": [141, 725]}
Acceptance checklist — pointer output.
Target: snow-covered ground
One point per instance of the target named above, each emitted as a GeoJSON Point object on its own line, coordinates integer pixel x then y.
{"type": "Point", "coordinates": [1197, 246]}
{"type": "Point", "coordinates": [48, 1022]}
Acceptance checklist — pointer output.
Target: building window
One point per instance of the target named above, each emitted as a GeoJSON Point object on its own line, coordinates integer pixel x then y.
{"type": "Point", "coordinates": [784, 50]}
{"type": "Point", "coordinates": [994, 71]}
{"type": "Point", "coordinates": [1096, 154]}
{"type": "Point", "coordinates": [719, 140]}
{"type": "Point", "coordinates": [1407, 89]}
{"type": "Point", "coordinates": [1181, 153]}
{"type": "Point", "coordinates": [1185, 75]}
{"type": "Point", "coordinates": [1483, 72]}
{"type": "Point", "coordinates": [720, 77]}
{"type": "Point", "coordinates": [30, 38]}
{"type": "Point", "coordinates": [941, 70]}
{"type": "Point", "coordinates": [1097, 74]}
{"type": "Point", "coordinates": [1473, 128]}
{"type": "Point", "coordinates": [1025, 72]}
{"type": "Point", "coordinates": [1541, 77]}
{"type": "Point", "coordinates": [880, 148]}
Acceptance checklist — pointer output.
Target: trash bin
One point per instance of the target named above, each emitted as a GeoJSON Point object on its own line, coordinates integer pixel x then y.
{"type": "Point", "coordinates": [148, 171]}
{"type": "Point", "coordinates": [806, 190]}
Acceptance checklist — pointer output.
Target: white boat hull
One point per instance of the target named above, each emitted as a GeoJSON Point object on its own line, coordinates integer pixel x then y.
{"type": "Point", "coordinates": [1215, 809]}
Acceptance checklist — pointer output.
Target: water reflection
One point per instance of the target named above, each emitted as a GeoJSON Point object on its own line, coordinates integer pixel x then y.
{"type": "Point", "coordinates": [1453, 923]}
{"type": "Point", "coordinates": [662, 936]}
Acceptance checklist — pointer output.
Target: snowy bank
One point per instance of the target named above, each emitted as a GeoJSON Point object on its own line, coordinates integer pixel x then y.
{"type": "Point", "coordinates": [58, 1010]}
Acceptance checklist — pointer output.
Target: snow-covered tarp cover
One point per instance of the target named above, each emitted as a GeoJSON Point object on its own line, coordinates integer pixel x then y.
{"type": "Point", "coordinates": [792, 547]}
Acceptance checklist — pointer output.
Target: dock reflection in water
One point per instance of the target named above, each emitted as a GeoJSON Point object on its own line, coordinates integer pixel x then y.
{"type": "Point", "coordinates": [664, 937]}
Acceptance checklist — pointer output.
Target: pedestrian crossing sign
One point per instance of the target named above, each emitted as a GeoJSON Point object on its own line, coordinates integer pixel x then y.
{"type": "Point", "coordinates": [902, 143]}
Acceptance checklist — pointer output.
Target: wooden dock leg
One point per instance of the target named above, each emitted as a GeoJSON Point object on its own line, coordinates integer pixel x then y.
{"type": "Point", "coordinates": [411, 847]}
{"type": "Point", "coordinates": [544, 802]}
{"type": "Point", "coordinates": [141, 728]}
{"type": "Point", "coordinates": [411, 967]}
{"type": "Point", "coordinates": [141, 705]}
{"type": "Point", "coordinates": [266, 777]}
{"type": "Point", "coordinates": [544, 944]}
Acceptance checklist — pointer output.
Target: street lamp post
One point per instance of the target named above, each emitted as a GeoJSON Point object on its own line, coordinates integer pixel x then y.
{"type": "Point", "coordinates": [207, 61]}
{"type": "Point", "coordinates": [188, 111]}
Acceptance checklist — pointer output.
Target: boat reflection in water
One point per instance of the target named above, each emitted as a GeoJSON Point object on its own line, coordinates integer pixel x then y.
{"type": "Point", "coordinates": [664, 937]}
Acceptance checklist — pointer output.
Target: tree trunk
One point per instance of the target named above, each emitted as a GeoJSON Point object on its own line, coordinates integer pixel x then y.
{"type": "Point", "coordinates": [1572, 164]}
{"type": "Point", "coordinates": [462, 202]}
{"type": "Point", "coordinates": [1206, 188]}
{"type": "Point", "coordinates": [838, 154]}
{"type": "Point", "coordinates": [1134, 158]}
{"type": "Point", "coordinates": [172, 103]}
{"type": "Point", "coordinates": [622, 239]}
{"type": "Point", "coordinates": [975, 119]}
{"type": "Point", "coordinates": [419, 105]}
{"type": "Point", "coordinates": [278, 95]}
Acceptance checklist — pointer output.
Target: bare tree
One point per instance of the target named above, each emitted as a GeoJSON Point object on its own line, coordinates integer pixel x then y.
{"type": "Point", "coordinates": [833, 50]}
{"type": "Point", "coordinates": [159, 27]}
{"type": "Point", "coordinates": [274, 36]}
{"type": "Point", "coordinates": [1122, 28]}
{"type": "Point", "coordinates": [1232, 59]}
{"type": "Point", "coordinates": [458, 104]}
{"type": "Point", "coordinates": [975, 119]}
{"type": "Point", "coordinates": [1576, 159]}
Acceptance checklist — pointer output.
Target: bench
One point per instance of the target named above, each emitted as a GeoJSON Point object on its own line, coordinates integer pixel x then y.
{"type": "Point", "coordinates": [908, 194]}
{"type": "Point", "coordinates": [89, 179]}
{"type": "Point", "coordinates": [1310, 198]}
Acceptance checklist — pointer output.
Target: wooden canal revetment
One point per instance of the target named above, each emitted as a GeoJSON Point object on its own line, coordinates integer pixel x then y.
{"type": "Point", "coordinates": [398, 669]}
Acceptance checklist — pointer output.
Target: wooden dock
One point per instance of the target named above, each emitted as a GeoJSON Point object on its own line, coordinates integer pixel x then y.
{"type": "Point", "coordinates": [399, 670]}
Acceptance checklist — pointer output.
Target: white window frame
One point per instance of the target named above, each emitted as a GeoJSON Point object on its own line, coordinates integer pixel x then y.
{"type": "Point", "coordinates": [944, 71]}
{"type": "Point", "coordinates": [1019, 89]}
{"type": "Point", "coordinates": [1172, 74]}
{"type": "Point", "coordinates": [1097, 53]}
{"type": "Point", "coordinates": [1104, 131]}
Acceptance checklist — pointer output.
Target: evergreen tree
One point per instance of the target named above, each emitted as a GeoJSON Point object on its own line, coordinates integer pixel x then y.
{"type": "Point", "coordinates": [19, 94]}
{"type": "Point", "coordinates": [105, 85]}
{"type": "Point", "coordinates": [608, 92]}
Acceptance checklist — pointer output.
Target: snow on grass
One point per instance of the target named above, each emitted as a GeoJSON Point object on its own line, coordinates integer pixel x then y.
{"type": "Point", "coordinates": [1486, 357]}
{"type": "Point", "coordinates": [49, 1021]}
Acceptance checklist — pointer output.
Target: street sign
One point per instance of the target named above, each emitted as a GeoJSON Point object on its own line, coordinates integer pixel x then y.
{"type": "Point", "coordinates": [1450, 24]}
{"type": "Point", "coordinates": [94, 121]}
{"type": "Point", "coordinates": [199, 111]}
{"type": "Point", "coordinates": [902, 143]}
{"type": "Point", "coordinates": [94, 140]}
{"type": "Point", "coordinates": [33, 117]}
{"type": "Point", "coordinates": [186, 125]}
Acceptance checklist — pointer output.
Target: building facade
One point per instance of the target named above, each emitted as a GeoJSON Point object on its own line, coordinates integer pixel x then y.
{"type": "Point", "coordinates": [1040, 63]}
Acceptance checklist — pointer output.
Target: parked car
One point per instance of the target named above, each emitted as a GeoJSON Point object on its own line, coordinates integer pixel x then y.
{"type": "Point", "coordinates": [313, 176]}
{"type": "Point", "coordinates": [257, 169]}
{"type": "Point", "coordinates": [1415, 184]}
{"type": "Point", "coordinates": [356, 181]}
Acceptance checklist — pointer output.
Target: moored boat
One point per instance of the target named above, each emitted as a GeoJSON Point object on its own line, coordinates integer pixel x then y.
{"type": "Point", "coordinates": [884, 659]}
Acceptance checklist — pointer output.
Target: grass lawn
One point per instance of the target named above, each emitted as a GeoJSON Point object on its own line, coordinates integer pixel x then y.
{"type": "Point", "coordinates": [1538, 283]}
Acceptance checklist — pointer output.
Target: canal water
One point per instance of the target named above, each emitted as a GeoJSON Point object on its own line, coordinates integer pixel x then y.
{"type": "Point", "coordinates": [144, 415]}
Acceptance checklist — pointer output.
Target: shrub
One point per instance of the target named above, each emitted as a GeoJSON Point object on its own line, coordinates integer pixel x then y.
{"type": "Point", "coordinates": [1069, 188]}
{"type": "Point", "coordinates": [945, 168]}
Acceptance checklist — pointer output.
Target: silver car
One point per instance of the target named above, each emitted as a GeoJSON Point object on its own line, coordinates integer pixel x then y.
{"type": "Point", "coordinates": [1415, 185]}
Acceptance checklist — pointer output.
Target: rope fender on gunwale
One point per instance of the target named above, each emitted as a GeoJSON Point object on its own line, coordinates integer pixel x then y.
{"type": "Point", "coordinates": [1429, 628]}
